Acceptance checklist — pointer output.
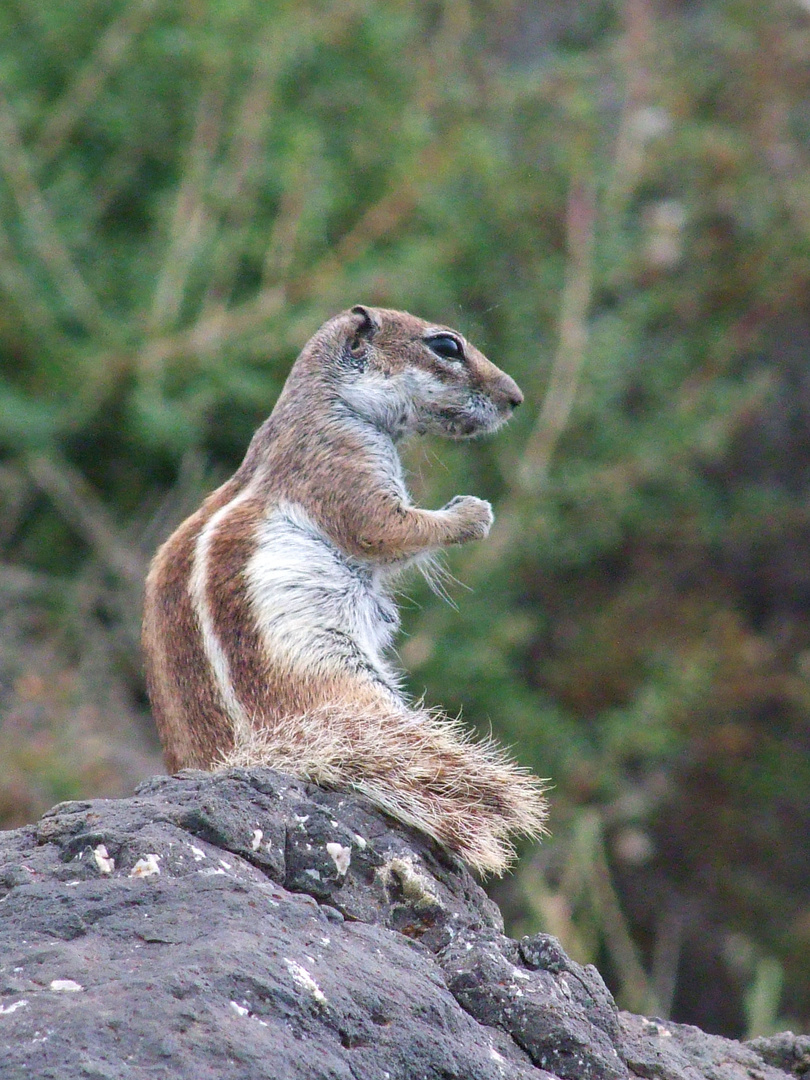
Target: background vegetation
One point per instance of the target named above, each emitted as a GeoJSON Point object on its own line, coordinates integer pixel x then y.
{"type": "Point", "coordinates": [613, 201]}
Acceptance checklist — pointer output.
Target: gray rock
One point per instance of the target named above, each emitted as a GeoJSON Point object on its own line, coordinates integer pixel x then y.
{"type": "Point", "coordinates": [244, 925]}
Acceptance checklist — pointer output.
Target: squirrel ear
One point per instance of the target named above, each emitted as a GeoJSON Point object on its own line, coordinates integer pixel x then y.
{"type": "Point", "coordinates": [368, 325]}
{"type": "Point", "coordinates": [369, 320]}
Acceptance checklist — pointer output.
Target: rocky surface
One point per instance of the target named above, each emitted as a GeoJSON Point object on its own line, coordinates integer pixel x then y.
{"type": "Point", "coordinates": [243, 925]}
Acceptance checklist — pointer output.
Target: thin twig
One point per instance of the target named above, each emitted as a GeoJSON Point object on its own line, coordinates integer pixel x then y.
{"type": "Point", "coordinates": [552, 910]}
{"type": "Point", "coordinates": [240, 170]}
{"type": "Point", "coordinates": [573, 341]}
{"type": "Point", "coordinates": [637, 991]}
{"type": "Point", "coordinates": [211, 335]}
{"type": "Point", "coordinates": [563, 383]}
{"type": "Point", "coordinates": [190, 221]}
{"type": "Point", "coordinates": [21, 286]}
{"type": "Point", "coordinates": [381, 219]}
{"type": "Point", "coordinates": [109, 54]}
{"type": "Point", "coordinates": [25, 585]}
{"type": "Point", "coordinates": [630, 148]}
{"type": "Point", "coordinates": [666, 956]}
{"type": "Point", "coordinates": [40, 225]}
{"type": "Point", "coordinates": [78, 504]}
{"type": "Point", "coordinates": [280, 251]}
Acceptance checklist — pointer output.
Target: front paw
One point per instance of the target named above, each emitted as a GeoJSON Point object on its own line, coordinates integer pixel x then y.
{"type": "Point", "coordinates": [472, 517]}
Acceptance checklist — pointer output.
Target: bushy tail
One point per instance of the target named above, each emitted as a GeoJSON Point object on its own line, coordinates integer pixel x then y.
{"type": "Point", "coordinates": [420, 766]}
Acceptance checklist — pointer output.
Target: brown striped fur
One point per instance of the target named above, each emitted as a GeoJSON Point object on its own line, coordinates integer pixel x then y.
{"type": "Point", "coordinates": [269, 614]}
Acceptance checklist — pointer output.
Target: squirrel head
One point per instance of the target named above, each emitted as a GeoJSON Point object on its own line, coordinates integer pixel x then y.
{"type": "Point", "coordinates": [406, 376]}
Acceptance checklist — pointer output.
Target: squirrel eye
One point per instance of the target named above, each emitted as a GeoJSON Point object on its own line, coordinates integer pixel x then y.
{"type": "Point", "coordinates": [446, 346]}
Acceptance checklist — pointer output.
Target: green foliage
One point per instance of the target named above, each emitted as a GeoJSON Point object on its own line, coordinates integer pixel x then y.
{"type": "Point", "coordinates": [612, 201]}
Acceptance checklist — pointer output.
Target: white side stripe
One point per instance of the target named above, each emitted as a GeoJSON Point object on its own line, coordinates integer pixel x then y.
{"type": "Point", "coordinates": [211, 645]}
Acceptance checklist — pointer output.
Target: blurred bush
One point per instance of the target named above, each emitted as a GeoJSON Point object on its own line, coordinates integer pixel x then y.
{"type": "Point", "coordinates": [613, 201]}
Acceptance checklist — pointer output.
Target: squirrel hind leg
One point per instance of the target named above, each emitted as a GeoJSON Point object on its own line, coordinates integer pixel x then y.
{"type": "Point", "coordinates": [420, 767]}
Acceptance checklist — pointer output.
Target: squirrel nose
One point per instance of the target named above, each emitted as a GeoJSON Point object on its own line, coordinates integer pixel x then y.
{"type": "Point", "coordinates": [512, 392]}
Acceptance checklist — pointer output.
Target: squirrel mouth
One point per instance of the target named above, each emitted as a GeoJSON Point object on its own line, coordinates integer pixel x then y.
{"type": "Point", "coordinates": [479, 419]}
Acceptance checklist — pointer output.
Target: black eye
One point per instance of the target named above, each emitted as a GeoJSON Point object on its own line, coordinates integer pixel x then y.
{"type": "Point", "coordinates": [446, 346]}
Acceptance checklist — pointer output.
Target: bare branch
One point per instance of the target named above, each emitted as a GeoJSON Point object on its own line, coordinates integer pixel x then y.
{"type": "Point", "coordinates": [210, 335]}
{"type": "Point", "coordinates": [190, 223]}
{"type": "Point", "coordinates": [78, 504]}
{"type": "Point", "coordinates": [567, 366]}
{"type": "Point", "coordinates": [108, 55]}
{"type": "Point", "coordinates": [21, 287]}
{"type": "Point", "coordinates": [40, 226]}
{"type": "Point", "coordinates": [240, 169]}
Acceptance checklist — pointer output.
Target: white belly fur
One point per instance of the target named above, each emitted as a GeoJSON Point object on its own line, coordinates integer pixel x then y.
{"type": "Point", "coordinates": [317, 609]}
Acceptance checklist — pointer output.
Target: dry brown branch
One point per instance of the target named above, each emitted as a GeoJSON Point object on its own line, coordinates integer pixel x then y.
{"type": "Point", "coordinates": [573, 340]}
{"type": "Point", "coordinates": [383, 217]}
{"type": "Point", "coordinates": [563, 382]}
{"type": "Point", "coordinates": [221, 329]}
{"type": "Point", "coordinates": [108, 55]}
{"type": "Point", "coordinates": [83, 510]}
{"type": "Point", "coordinates": [551, 912]}
{"type": "Point", "coordinates": [786, 159]}
{"type": "Point", "coordinates": [40, 226]}
{"type": "Point", "coordinates": [555, 411]}
{"type": "Point", "coordinates": [211, 335]}
{"type": "Point", "coordinates": [241, 167]}
{"type": "Point", "coordinates": [630, 148]}
{"type": "Point", "coordinates": [18, 284]}
{"type": "Point", "coordinates": [190, 222]}
{"type": "Point", "coordinates": [280, 250]}
{"type": "Point", "coordinates": [637, 993]}
{"type": "Point", "coordinates": [666, 956]}
{"type": "Point", "coordinates": [22, 586]}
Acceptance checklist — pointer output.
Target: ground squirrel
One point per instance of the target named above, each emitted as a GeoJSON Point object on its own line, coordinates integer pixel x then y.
{"type": "Point", "coordinates": [269, 612]}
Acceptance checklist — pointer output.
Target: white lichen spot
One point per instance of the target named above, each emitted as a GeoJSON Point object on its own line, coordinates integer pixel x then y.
{"type": "Point", "coordinates": [147, 866]}
{"type": "Point", "coordinates": [361, 841]}
{"type": "Point", "coordinates": [224, 865]}
{"type": "Point", "coordinates": [302, 819]}
{"type": "Point", "coordinates": [104, 862]}
{"type": "Point", "coordinates": [70, 884]}
{"type": "Point", "coordinates": [654, 1028]}
{"type": "Point", "coordinates": [316, 874]}
{"type": "Point", "coordinates": [65, 986]}
{"type": "Point", "coordinates": [256, 842]}
{"type": "Point", "coordinates": [341, 856]}
{"type": "Point", "coordinates": [198, 853]}
{"type": "Point", "coordinates": [240, 1010]}
{"type": "Point", "coordinates": [565, 988]}
{"type": "Point", "coordinates": [303, 979]}
{"type": "Point", "coordinates": [7, 1010]}
{"type": "Point", "coordinates": [493, 1053]}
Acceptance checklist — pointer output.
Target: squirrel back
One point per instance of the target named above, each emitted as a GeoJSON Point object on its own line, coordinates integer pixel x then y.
{"type": "Point", "coordinates": [269, 613]}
